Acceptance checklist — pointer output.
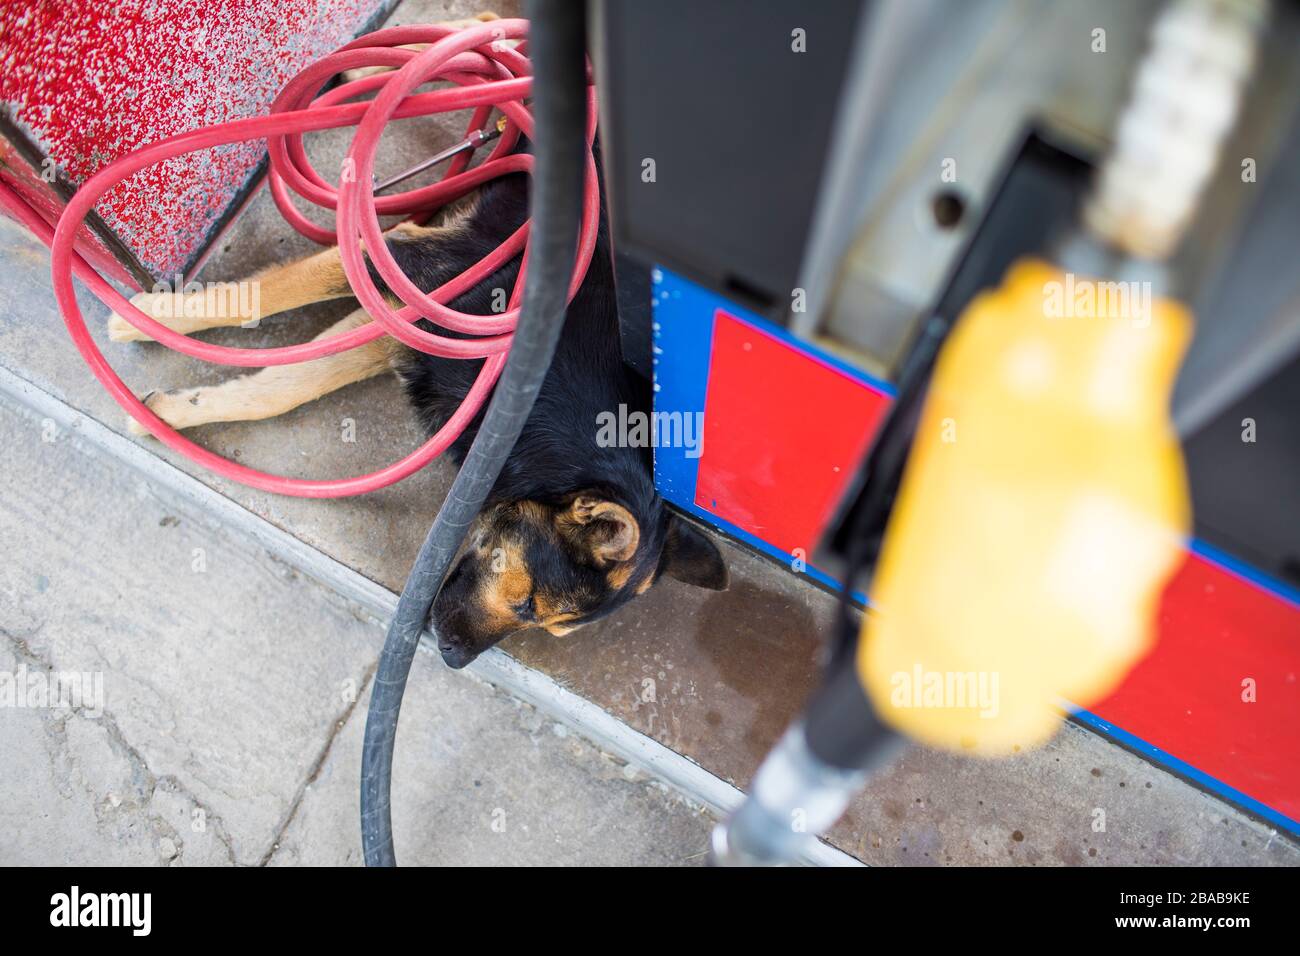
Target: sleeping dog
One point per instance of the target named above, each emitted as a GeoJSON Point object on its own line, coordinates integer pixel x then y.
{"type": "Point", "coordinates": [572, 530]}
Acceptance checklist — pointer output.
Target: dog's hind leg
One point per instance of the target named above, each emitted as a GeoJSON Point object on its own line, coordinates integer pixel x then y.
{"type": "Point", "coordinates": [275, 390]}
{"type": "Point", "coordinates": [317, 278]}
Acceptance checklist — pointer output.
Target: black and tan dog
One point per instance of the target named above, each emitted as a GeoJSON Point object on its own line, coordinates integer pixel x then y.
{"type": "Point", "coordinates": [572, 530]}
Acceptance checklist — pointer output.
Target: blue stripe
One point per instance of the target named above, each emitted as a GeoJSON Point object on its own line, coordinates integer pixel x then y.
{"type": "Point", "coordinates": [683, 330]}
{"type": "Point", "coordinates": [1184, 769]}
{"type": "Point", "coordinates": [1246, 572]}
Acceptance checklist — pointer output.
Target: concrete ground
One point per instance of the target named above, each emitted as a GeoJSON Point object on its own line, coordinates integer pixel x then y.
{"type": "Point", "coordinates": [235, 695]}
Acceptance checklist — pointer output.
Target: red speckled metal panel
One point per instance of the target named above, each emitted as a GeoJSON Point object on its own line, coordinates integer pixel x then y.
{"type": "Point", "coordinates": [41, 196]}
{"type": "Point", "coordinates": [87, 82]}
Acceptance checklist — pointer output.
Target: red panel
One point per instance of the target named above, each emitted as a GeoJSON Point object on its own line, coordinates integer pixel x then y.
{"type": "Point", "coordinates": [87, 82]}
{"type": "Point", "coordinates": [783, 433]}
{"type": "Point", "coordinates": [1217, 630]}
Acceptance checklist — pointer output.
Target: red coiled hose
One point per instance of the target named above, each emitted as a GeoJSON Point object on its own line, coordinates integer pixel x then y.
{"type": "Point", "coordinates": [487, 73]}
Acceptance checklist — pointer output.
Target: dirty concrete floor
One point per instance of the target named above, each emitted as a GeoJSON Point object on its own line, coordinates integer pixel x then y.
{"type": "Point", "coordinates": [730, 670]}
{"type": "Point", "coordinates": [222, 716]}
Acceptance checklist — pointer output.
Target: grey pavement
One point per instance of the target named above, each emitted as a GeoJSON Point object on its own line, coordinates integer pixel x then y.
{"type": "Point", "coordinates": [233, 698]}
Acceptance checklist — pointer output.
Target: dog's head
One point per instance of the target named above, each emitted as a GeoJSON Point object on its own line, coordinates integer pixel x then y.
{"type": "Point", "coordinates": [559, 566]}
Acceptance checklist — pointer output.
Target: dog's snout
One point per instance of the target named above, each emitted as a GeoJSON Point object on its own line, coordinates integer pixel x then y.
{"type": "Point", "coordinates": [455, 649]}
{"type": "Point", "coordinates": [455, 656]}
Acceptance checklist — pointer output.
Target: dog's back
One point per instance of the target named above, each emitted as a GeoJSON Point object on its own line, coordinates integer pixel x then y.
{"type": "Point", "coordinates": [587, 375]}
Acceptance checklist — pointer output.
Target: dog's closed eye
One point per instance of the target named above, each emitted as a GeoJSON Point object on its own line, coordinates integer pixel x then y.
{"type": "Point", "coordinates": [526, 610]}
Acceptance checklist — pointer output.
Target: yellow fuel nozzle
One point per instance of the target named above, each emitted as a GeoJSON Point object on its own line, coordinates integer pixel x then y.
{"type": "Point", "coordinates": [1043, 508]}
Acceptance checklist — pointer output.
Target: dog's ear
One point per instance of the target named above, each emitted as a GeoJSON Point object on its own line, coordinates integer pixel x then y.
{"type": "Point", "coordinates": [692, 558]}
{"type": "Point", "coordinates": [604, 528]}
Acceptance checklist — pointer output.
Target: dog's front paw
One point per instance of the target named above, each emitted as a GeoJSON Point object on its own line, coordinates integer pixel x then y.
{"type": "Point", "coordinates": [181, 408]}
{"type": "Point", "coordinates": [135, 428]}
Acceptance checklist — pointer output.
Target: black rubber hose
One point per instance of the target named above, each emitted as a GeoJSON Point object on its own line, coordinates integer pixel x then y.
{"type": "Point", "coordinates": [557, 47]}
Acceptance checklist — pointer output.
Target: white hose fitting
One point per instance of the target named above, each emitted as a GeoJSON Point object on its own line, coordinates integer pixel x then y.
{"type": "Point", "coordinates": [1185, 99]}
